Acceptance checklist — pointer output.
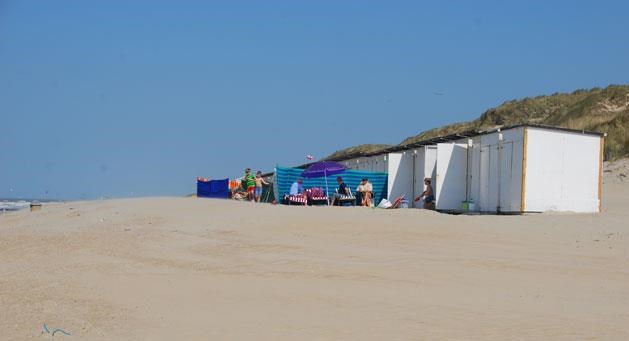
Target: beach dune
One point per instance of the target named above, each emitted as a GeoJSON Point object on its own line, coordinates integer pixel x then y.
{"type": "Point", "coordinates": [201, 269]}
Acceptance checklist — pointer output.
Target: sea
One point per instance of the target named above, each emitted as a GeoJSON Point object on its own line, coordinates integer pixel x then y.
{"type": "Point", "coordinates": [14, 204]}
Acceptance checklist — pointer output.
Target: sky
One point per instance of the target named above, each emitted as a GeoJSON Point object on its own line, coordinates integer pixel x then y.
{"type": "Point", "coordinates": [137, 98]}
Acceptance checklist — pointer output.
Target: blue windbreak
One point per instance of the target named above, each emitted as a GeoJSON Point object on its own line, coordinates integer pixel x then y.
{"type": "Point", "coordinates": [284, 178]}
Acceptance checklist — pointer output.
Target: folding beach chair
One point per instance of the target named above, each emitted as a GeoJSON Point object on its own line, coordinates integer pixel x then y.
{"type": "Point", "coordinates": [344, 198]}
{"type": "Point", "coordinates": [397, 202]}
{"type": "Point", "coordinates": [297, 199]}
{"type": "Point", "coordinates": [316, 196]}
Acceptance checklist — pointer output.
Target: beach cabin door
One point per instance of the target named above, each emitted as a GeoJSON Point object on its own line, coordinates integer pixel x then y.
{"type": "Point", "coordinates": [506, 177]}
{"type": "Point", "coordinates": [451, 184]}
{"type": "Point", "coordinates": [425, 162]}
{"type": "Point", "coordinates": [483, 201]}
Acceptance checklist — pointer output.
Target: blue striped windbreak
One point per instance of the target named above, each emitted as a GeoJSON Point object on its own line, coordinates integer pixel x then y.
{"type": "Point", "coordinates": [284, 178]}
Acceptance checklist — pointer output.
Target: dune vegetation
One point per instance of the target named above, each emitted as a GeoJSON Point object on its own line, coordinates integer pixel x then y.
{"type": "Point", "coordinates": [597, 109]}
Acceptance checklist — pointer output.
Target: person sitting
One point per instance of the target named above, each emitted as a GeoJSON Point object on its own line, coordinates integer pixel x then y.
{"type": "Point", "coordinates": [428, 194]}
{"type": "Point", "coordinates": [341, 191]}
{"type": "Point", "coordinates": [359, 191]}
{"type": "Point", "coordinates": [297, 187]}
{"type": "Point", "coordinates": [366, 192]}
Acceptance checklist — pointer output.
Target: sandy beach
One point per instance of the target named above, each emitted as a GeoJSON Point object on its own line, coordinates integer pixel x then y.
{"type": "Point", "coordinates": [200, 269]}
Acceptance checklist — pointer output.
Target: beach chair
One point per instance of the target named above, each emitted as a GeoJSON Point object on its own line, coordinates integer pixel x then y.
{"type": "Point", "coordinates": [360, 197]}
{"type": "Point", "coordinates": [316, 196]}
{"type": "Point", "coordinates": [397, 202]}
{"type": "Point", "coordinates": [344, 198]}
{"type": "Point", "coordinates": [297, 199]}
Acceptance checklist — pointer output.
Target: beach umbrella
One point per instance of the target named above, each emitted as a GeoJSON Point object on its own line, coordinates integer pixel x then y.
{"type": "Point", "coordinates": [323, 169]}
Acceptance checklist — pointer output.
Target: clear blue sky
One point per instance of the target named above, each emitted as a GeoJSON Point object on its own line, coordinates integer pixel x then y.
{"type": "Point", "coordinates": [121, 98]}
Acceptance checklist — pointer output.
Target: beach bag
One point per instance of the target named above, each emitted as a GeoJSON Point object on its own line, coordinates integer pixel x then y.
{"type": "Point", "coordinates": [384, 203]}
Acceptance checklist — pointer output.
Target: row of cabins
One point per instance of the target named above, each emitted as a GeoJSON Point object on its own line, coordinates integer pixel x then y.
{"type": "Point", "coordinates": [515, 169]}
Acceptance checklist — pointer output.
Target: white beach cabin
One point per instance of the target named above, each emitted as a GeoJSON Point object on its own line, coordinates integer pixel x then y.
{"type": "Point", "coordinates": [520, 169]}
{"type": "Point", "coordinates": [517, 169]}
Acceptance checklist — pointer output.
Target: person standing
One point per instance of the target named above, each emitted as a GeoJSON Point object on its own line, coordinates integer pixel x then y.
{"type": "Point", "coordinates": [250, 182]}
{"type": "Point", "coordinates": [428, 194]}
{"type": "Point", "coordinates": [259, 182]}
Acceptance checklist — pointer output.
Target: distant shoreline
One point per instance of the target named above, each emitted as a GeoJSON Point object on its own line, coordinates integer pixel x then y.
{"type": "Point", "coordinates": [31, 200]}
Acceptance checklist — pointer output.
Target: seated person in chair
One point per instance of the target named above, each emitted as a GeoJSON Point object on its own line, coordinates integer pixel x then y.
{"type": "Point", "coordinates": [297, 187]}
{"type": "Point", "coordinates": [366, 192]}
{"type": "Point", "coordinates": [341, 190]}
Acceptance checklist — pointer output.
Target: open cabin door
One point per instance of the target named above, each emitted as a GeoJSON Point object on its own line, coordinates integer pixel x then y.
{"type": "Point", "coordinates": [450, 187]}
{"type": "Point", "coordinates": [424, 167]}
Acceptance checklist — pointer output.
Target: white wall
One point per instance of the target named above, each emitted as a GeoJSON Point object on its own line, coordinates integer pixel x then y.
{"type": "Point", "coordinates": [403, 184]}
{"type": "Point", "coordinates": [562, 171]}
{"type": "Point", "coordinates": [401, 175]}
{"type": "Point", "coordinates": [376, 163]}
{"type": "Point", "coordinates": [355, 164]}
{"type": "Point", "coordinates": [451, 179]}
{"type": "Point", "coordinates": [494, 171]}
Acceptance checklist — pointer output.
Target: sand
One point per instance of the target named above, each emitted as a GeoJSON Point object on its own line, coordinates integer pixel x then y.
{"type": "Point", "coordinates": [200, 269]}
